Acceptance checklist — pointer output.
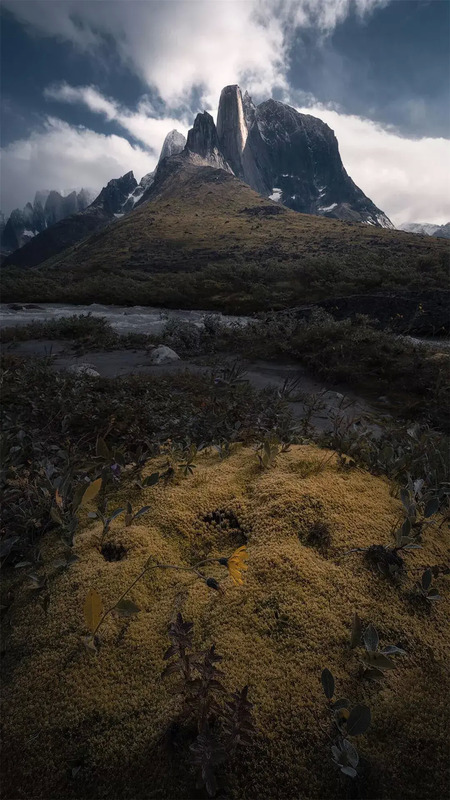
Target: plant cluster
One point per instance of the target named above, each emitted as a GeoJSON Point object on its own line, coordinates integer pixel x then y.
{"type": "Point", "coordinates": [375, 660]}
{"type": "Point", "coordinates": [223, 723]}
{"type": "Point", "coordinates": [347, 721]}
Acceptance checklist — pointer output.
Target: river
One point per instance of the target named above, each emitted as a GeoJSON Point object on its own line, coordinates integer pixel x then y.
{"type": "Point", "coordinates": [135, 319]}
{"type": "Point", "coordinates": [140, 319]}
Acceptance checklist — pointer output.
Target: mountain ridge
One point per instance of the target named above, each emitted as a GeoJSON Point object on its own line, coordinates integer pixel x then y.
{"type": "Point", "coordinates": [427, 229]}
{"type": "Point", "coordinates": [48, 208]}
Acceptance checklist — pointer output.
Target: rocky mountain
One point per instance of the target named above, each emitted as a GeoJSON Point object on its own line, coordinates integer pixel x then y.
{"type": "Point", "coordinates": [57, 230]}
{"type": "Point", "coordinates": [289, 157]}
{"type": "Point", "coordinates": [174, 143]}
{"type": "Point", "coordinates": [48, 208]}
{"type": "Point", "coordinates": [443, 231]}
{"type": "Point", "coordinates": [427, 229]}
{"type": "Point", "coordinates": [197, 227]}
{"type": "Point", "coordinates": [68, 231]}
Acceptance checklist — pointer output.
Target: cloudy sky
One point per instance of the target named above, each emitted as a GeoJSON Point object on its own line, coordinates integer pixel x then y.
{"type": "Point", "coordinates": [91, 87]}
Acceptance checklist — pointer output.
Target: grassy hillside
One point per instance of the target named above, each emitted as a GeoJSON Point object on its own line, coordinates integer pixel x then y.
{"type": "Point", "coordinates": [83, 724]}
{"type": "Point", "coordinates": [207, 240]}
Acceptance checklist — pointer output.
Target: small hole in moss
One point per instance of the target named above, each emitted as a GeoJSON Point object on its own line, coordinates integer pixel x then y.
{"type": "Point", "coordinates": [319, 536]}
{"type": "Point", "coordinates": [113, 552]}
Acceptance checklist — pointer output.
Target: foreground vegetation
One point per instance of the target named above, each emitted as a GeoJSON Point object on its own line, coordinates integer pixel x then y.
{"type": "Point", "coordinates": [185, 526]}
{"type": "Point", "coordinates": [236, 583]}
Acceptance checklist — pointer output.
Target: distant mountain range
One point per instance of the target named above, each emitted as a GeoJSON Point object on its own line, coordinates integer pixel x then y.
{"type": "Point", "coordinates": [427, 229]}
{"type": "Point", "coordinates": [291, 159]}
{"type": "Point", "coordinates": [48, 208]}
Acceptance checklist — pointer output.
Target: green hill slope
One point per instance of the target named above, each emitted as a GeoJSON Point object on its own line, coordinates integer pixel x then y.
{"type": "Point", "coordinates": [205, 239]}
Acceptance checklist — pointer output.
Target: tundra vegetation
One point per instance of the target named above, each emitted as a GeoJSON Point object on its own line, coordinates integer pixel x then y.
{"type": "Point", "coordinates": [187, 570]}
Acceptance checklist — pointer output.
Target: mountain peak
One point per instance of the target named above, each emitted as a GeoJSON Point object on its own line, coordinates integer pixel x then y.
{"type": "Point", "coordinates": [202, 140]}
{"type": "Point", "coordinates": [174, 143]}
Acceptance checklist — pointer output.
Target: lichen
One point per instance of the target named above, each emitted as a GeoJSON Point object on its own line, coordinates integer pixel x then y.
{"type": "Point", "coordinates": [289, 620]}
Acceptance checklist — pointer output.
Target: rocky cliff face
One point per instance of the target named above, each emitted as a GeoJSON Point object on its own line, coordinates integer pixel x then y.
{"type": "Point", "coordinates": [290, 157]}
{"type": "Point", "coordinates": [115, 194]}
{"type": "Point", "coordinates": [203, 141]}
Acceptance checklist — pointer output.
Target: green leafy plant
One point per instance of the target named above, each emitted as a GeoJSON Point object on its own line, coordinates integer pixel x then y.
{"type": "Point", "coordinates": [268, 450]}
{"type": "Point", "coordinates": [105, 519]}
{"type": "Point", "coordinates": [187, 466]}
{"type": "Point", "coordinates": [376, 661]}
{"type": "Point", "coordinates": [424, 588]}
{"type": "Point", "coordinates": [347, 722]}
{"type": "Point", "coordinates": [130, 516]}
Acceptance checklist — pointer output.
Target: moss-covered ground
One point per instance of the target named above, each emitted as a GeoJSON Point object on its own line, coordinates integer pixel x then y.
{"type": "Point", "coordinates": [81, 725]}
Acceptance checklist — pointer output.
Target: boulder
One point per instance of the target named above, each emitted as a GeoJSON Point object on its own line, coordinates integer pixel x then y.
{"type": "Point", "coordinates": [163, 355]}
{"type": "Point", "coordinates": [84, 369]}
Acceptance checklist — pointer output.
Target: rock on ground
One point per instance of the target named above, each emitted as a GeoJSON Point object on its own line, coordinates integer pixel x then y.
{"type": "Point", "coordinates": [84, 369]}
{"type": "Point", "coordinates": [163, 355]}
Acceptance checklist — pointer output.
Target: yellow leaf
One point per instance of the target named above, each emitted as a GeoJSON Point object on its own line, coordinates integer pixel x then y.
{"type": "Point", "coordinates": [91, 491]}
{"type": "Point", "coordinates": [93, 609]}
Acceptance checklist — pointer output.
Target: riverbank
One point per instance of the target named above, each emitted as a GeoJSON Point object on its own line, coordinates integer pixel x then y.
{"type": "Point", "coordinates": [410, 378]}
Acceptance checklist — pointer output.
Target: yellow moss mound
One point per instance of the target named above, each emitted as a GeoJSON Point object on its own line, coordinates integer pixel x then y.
{"type": "Point", "coordinates": [64, 705]}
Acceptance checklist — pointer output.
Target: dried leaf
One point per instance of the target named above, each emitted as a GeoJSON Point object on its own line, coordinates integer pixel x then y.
{"type": "Point", "coordinates": [58, 499]}
{"type": "Point", "coordinates": [91, 491]}
{"type": "Point", "coordinates": [93, 609]}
